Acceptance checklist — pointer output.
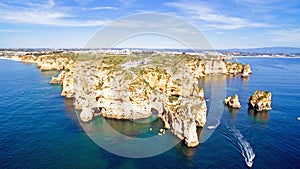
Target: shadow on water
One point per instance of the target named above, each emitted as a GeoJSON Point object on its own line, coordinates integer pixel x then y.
{"type": "Point", "coordinates": [69, 107]}
{"type": "Point", "coordinates": [136, 129]}
{"type": "Point", "coordinates": [188, 152]}
{"type": "Point", "coordinates": [49, 73]}
{"type": "Point", "coordinates": [232, 111]}
{"type": "Point", "coordinates": [262, 116]}
{"type": "Point", "coordinates": [245, 80]}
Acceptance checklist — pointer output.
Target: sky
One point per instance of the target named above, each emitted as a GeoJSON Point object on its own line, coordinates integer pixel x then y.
{"type": "Point", "coordinates": [225, 23]}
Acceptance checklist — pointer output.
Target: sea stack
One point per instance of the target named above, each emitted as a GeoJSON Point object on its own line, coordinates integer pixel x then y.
{"type": "Point", "coordinates": [246, 71]}
{"type": "Point", "coordinates": [260, 100]}
{"type": "Point", "coordinates": [233, 102]}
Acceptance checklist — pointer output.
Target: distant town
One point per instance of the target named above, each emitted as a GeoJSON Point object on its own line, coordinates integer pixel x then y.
{"type": "Point", "coordinates": [255, 52]}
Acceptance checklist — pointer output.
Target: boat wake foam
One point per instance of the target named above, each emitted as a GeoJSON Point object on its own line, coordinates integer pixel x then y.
{"type": "Point", "coordinates": [242, 144]}
{"type": "Point", "coordinates": [214, 126]}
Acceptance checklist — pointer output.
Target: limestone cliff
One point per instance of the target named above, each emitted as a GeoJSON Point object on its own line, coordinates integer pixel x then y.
{"type": "Point", "coordinates": [260, 100]}
{"type": "Point", "coordinates": [199, 67]}
{"type": "Point", "coordinates": [238, 69]}
{"type": "Point", "coordinates": [68, 84]}
{"type": "Point", "coordinates": [54, 62]}
{"type": "Point", "coordinates": [28, 58]}
{"type": "Point", "coordinates": [132, 94]}
{"type": "Point", "coordinates": [131, 87]}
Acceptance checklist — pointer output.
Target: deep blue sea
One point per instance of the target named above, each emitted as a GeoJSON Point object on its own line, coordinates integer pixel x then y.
{"type": "Point", "coordinates": [40, 129]}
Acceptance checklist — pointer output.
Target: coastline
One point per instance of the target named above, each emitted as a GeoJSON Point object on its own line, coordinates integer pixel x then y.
{"type": "Point", "coordinates": [172, 95]}
{"type": "Point", "coordinates": [8, 58]}
{"type": "Point", "coordinates": [247, 120]}
{"type": "Point", "coordinates": [266, 57]}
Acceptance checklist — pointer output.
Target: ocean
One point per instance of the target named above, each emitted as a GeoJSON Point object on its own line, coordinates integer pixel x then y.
{"type": "Point", "coordinates": [40, 129]}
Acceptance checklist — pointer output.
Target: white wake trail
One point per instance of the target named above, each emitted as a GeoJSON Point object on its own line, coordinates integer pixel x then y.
{"type": "Point", "coordinates": [242, 144]}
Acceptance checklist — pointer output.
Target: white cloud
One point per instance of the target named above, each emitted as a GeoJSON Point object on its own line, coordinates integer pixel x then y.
{"type": "Point", "coordinates": [44, 14]}
{"type": "Point", "coordinates": [126, 3]}
{"type": "Point", "coordinates": [101, 8]}
{"type": "Point", "coordinates": [12, 31]}
{"type": "Point", "coordinates": [211, 17]}
{"type": "Point", "coordinates": [256, 1]}
{"type": "Point", "coordinates": [286, 36]}
{"type": "Point", "coordinates": [83, 2]}
{"type": "Point", "coordinates": [51, 3]}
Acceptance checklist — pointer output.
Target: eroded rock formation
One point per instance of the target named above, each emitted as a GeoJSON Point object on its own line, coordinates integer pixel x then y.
{"type": "Point", "coordinates": [59, 79]}
{"type": "Point", "coordinates": [120, 94]}
{"type": "Point", "coordinates": [246, 71]}
{"type": "Point", "coordinates": [233, 102]}
{"type": "Point", "coordinates": [238, 69]}
{"type": "Point", "coordinates": [260, 100]}
{"type": "Point", "coordinates": [124, 87]}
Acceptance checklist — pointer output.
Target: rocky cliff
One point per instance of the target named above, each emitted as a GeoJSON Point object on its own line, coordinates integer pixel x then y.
{"type": "Point", "coordinates": [103, 86]}
{"type": "Point", "coordinates": [238, 69]}
{"type": "Point", "coordinates": [131, 87]}
{"type": "Point", "coordinates": [55, 62]}
{"type": "Point", "coordinates": [28, 58]}
{"type": "Point", "coordinates": [260, 100]}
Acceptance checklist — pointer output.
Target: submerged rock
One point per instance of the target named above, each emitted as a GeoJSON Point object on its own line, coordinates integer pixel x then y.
{"type": "Point", "coordinates": [260, 100]}
{"type": "Point", "coordinates": [233, 102]}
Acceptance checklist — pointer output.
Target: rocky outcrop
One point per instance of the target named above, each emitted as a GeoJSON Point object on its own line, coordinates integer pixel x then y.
{"type": "Point", "coordinates": [238, 69]}
{"type": "Point", "coordinates": [246, 71]}
{"type": "Point", "coordinates": [86, 114]}
{"type": "Point", "coordinates": [260, 100]}
{"type": "Point", "coordinates": [184, 115]}
{"type": "Point", "coordinates": [215, 67]}
{"type": "Point", "coordinates": [199, 67]}
{"type": "Point", "coordinates": [233, 102]}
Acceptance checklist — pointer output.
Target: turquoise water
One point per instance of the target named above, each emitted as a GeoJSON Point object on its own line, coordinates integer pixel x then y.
{"type": "Point", "coordinates": [39, 128]}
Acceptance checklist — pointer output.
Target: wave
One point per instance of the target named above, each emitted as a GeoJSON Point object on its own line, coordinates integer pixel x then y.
{"type": "Point", "coordinates": [238, 140]}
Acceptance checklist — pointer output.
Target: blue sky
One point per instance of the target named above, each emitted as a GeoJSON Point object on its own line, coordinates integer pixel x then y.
{"type": "Point", "coordinates": [226, 23]}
